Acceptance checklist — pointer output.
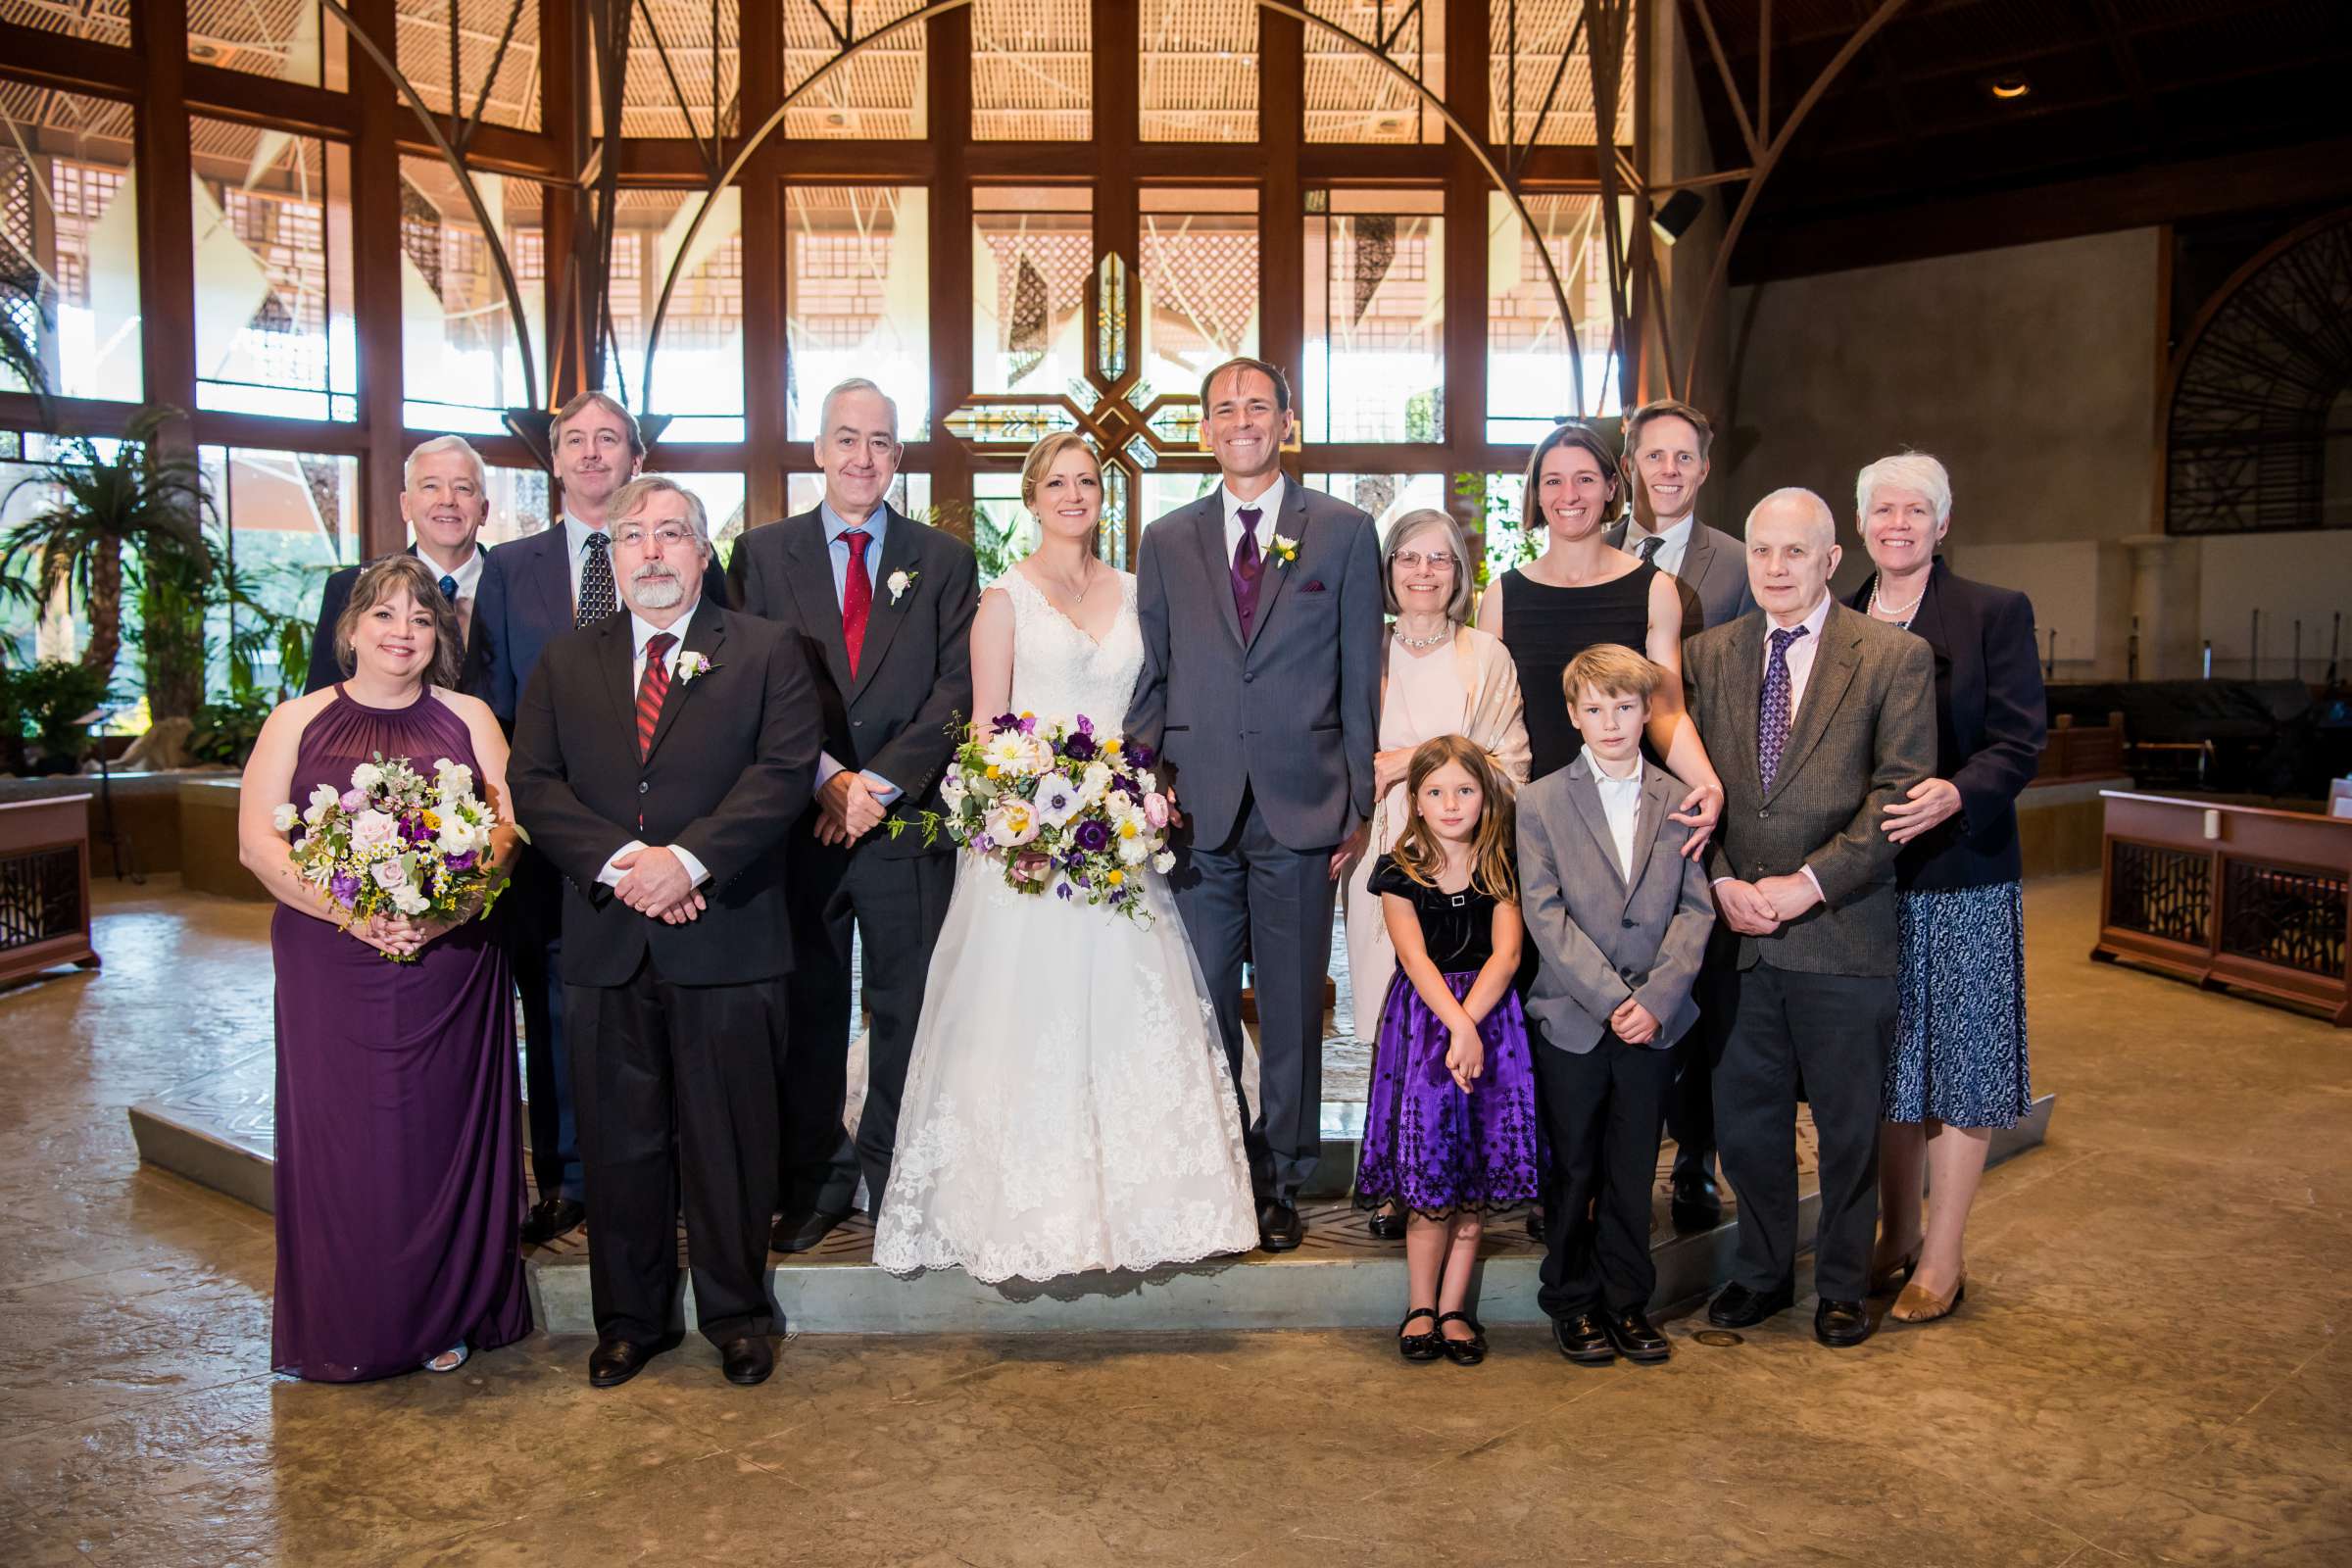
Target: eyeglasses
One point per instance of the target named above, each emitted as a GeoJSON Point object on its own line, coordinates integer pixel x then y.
{"type": "Point", "coordinates": [671, 535]}
{"type": "Point", "coordinates": [1414, 561]}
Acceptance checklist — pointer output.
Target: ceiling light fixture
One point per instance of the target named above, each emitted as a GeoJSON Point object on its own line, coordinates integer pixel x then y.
{"type": "Point", "coordinates": [2008, 88]}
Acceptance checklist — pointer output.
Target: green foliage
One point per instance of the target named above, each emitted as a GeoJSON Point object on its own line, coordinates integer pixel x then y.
{"type": "Point", "coordinates": [43, 702]}
{"type": "Point", "coordinates": [225, 730]}
{"type": "Point", "coordinates": [1422, 421]}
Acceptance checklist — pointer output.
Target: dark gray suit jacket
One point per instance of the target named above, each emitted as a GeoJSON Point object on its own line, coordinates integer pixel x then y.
{"type": "Point", "coordinates": [1600, 939]}
{"type": "Point", "coordinates": [1863, 735]}
{"type": "Point", "coordinates": [1712, 579]}
{"type": "Point", "coordinates": [1291, 715]}
{"type": "Point", "coordinates": [902, 716]}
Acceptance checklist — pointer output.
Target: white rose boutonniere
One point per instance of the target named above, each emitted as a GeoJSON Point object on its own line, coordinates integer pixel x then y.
{"type": "Point", "coordinates": [1285, 550]}
{"type": "Point", "coordinates": [693, 666]}
{"type": "Point", "coordinates": [899, 583]}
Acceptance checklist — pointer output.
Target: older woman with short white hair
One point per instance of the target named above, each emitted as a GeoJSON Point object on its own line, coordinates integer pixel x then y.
{"type": "Point", "coordinates": [1958, 1064]}
{"type": "Point", "coordinates": [1443, 677]}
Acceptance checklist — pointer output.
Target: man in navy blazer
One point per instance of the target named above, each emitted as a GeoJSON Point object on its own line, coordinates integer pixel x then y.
{"type": "Point", "coordinates": [443, 499]}
{"type": "Point", "coordinates": [1666, 447]}
{"type": "Point", "coordinates": [539, 587]}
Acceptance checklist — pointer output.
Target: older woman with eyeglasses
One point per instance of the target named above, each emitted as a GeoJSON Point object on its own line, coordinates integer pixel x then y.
{"type": "Point", "coordinates": [1443, 677]}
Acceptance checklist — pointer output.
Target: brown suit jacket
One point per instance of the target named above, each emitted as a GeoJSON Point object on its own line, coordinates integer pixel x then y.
{"type": "Point", "coordinates": [1863, 735]}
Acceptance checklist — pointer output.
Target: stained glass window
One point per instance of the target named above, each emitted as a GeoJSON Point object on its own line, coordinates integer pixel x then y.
{"type": "Point", "coordinates": [1375, 366]}
{"type": "Point", "coordinates": [273, 264]}
{"type": "Point", "coordinates": [1031, 249]}
{"type": "Point", "coordinates": [856, 298]}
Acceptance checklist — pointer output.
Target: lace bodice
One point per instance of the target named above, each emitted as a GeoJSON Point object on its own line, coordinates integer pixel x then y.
{"type": "Point", "coordinates": [1060, 671]}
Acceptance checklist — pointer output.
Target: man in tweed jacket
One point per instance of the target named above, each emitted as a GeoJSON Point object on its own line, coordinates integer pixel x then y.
{"type": "Point", "coordinates": [1818, 718]}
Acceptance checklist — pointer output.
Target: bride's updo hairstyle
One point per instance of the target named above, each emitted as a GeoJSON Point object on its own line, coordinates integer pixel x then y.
{"type": "Point", "coordinates": [1420, 856]}
{"type": "Point", "coordinates": [1040, 462]}
{"type": "Point", "coordinates": [387, 579]}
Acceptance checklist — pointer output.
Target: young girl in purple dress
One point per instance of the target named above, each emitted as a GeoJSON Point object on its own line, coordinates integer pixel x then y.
{"type": "Point", "coordinates": [1451, 1129]}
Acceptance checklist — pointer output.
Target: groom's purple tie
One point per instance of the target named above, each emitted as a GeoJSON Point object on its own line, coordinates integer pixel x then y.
{"type": "Point", "coordinates": [1245, 563]}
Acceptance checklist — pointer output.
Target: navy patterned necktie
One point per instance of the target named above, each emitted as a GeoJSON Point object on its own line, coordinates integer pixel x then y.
{"type": "Point", "coordinates": [1648, 549]}
{"type": "Point", "coordinates": [596, 582]}
{"type": "Point", "coordinates": [1245, 567]}
{"type": "Point", "coordinates": [449, 588]}
{"type": "Point", "coordinates": [1773, 709]}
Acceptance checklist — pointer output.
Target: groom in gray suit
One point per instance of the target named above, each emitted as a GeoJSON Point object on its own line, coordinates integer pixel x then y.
{"type": "Point", "coordinates": [1260, 606]}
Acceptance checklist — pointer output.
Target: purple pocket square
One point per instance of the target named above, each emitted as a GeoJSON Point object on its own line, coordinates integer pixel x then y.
{"type": "Point", "coordinates": [1313, 585]}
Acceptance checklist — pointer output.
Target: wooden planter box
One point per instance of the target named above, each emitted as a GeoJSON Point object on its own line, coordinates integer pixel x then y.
{"type": "Point", "coordinates": [45, 886]}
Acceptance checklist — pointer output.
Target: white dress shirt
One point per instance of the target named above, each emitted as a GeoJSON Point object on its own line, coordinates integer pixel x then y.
{"type": "Point", "coordinates": [1269, 506]}
{"type": "Point", "coordinates": [575, 551]}
{"type": "Point", "coordinates": [468, 578]}
{"type": "Point", "coordinates": [641, 632]}
{"type": "Point", "coordinates": [1621, 804]}
{"type": "Point", "coordinates": [1673, 539]}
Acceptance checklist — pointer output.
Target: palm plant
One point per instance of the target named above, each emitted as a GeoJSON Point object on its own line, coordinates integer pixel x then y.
{"type": "Point", "coordinates": [144, 498]}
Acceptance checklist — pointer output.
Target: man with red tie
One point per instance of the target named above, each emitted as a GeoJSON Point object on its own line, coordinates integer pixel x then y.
{"type": "Point", "coordinates": [660, 757]}
{"type": "Point", "coordinates": [882, 608]}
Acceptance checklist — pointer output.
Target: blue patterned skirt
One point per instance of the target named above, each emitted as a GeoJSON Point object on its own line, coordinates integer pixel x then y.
{"type": "Point", "coordinates": [1959, 1054]}
{"type": "Point", "coordinates": [1428, 1146]}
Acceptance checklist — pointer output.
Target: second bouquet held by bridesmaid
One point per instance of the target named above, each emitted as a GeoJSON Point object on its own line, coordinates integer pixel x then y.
{"type": "Point", "coordinates": [1451, 1129]}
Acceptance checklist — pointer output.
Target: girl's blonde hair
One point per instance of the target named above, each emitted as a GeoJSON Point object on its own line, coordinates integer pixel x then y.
{"type": "Point", "coordinates": [1419, 854]}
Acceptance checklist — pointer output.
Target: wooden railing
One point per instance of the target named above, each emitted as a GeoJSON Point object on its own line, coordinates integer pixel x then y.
{"type": "Point", "coordinates": [2076, 752]}
{"type": "Point", "coordinates": [2230, 896]}
{"type": "Point", "coordinates": [45, 886]}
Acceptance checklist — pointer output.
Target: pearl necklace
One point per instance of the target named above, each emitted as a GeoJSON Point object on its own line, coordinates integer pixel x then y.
{"type": "Point", "coordinates": [1901, 616]}
{"type": "Point", "coordinates": [1422, 644]}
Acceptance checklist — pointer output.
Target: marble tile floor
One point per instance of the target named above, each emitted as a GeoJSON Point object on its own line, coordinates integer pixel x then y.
{"type": "Point", "coordinates": [2148, 1368]}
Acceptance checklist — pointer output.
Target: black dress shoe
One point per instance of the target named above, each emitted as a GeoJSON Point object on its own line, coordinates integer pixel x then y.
{"type": "Point", "coordinates": [1463, 1352]}
{"type": "Point", "coordinates": [615, 1362]}
{"type": "Point", "coordinates": [1840, 1324]}
{"type": "Point", "coordinates": [1384, 1226]}
{"type": "Point", "coordinates": [550, 1217]}
{"type": "Point", "coordinates": [747, 1361]}
{"type": "Point", "coordinates": [1422, 1346]}
{"type": "Point", "coordinates": [1739, 1307]}
{"type": "Point", "coordinates": [1636, 1337]}
{"type": "Point", "coordinates": [797, 1232]}
{"type": "Point", "coordinates": [1697, 1203]}
{"type": "Point", "coordinates": [1583, 1340]}
{"type": "Point", "coordinates": [1535, 1223]}
{"type": "Point", "coordinates": [1278, 1227]}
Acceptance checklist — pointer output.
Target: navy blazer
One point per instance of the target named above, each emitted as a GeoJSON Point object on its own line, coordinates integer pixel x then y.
{"type": "Point", "coordinates": [327, 667]}
{"type": "Point", "coordinates": [525, 601]}
{"type": "Point", "coordinates": [1991, 724]}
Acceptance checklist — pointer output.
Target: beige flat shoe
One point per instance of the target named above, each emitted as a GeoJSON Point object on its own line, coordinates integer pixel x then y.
{"type": "Point", "coordinates": [1918, 1304]}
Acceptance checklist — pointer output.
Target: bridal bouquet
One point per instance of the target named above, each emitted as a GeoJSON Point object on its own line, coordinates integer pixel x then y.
{"type": "Point", "coordinates": [1059, 807]}
{"type": "Point", "coordinates": [398, 844]}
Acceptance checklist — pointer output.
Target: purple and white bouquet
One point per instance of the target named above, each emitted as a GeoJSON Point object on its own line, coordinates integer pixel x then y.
{"type": "Point", "coordinates": [1059, 807]}
{"type": "Point", "coordinates": [398, 844]}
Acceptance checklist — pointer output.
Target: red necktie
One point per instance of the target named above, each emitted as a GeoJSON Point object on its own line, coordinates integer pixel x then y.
{"type": "Point", "coordinates": [857, 597]}
{"type": "Point", "coordinates": [651, 687]}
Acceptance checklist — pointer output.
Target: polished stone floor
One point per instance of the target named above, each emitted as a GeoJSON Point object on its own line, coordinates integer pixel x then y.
{"type": "Point", "coordinates": [2147, 1369]}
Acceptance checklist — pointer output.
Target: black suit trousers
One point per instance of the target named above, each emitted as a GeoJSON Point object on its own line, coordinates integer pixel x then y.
{"type": "Point", "coordinates": [1601, 1117]}
{"type": "Point", "coordinates": [896, 903]}
{"type": "Point", "coordinates": [1830, 1032]}
{"type": "Point", "coordinates": [535, 940]}
{"type": "Point", "coordinates": [649, 1057]}
{"type": "Point", "coordinates": [1691, 1104]}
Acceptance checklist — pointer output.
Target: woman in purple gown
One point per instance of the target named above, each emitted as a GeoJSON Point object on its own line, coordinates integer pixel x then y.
{"type": "Point", "coordinates": [399, 1180]}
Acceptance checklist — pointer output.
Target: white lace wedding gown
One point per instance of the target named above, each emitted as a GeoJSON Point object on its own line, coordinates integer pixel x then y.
{"type": "Point", "coordinates": [1067, 1106]}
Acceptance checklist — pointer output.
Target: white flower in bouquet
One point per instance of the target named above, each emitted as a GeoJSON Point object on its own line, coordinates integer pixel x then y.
{"type": "Point", "coordinates": [1057, 800]}
{"type": "Point", "coordinates": [1008, 751]}
{"type": "Point", "coordinates": [455, 780]}
{"type": "Point", "coordinates": [1012, 824]}
{"type": "Point", "coordinates": [953, 790]}
{"type": "Point", "coordinates": [324, 799]}
{"type": "Point", "coordinates": [283, 818]}
{"type": "Point", "coordinates": [373, 829]}
{"type": "Point", "coordinates": [1146, 780]}
{"type": "Point", "coordinates": [1164, 862]}
{"type": "Point", "coordinates": [1123, 808]}
{"type": "Point", "coordinates": [1134, 851]}
{"type": "Point", "coordinates": [391, 873]}
{"type": "Point", "coordinates": [366, 776]}
{"type": "Point", "coordinates": [1093, 783]}
{"type": "Point", "coordinates": [408, 900]}
{"type": "Point", "coordinates": [457, 835]}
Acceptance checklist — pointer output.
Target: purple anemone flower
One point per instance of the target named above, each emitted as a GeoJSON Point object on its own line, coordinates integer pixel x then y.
{"type": "Point", "coordinates": [1006, 721]}
{"type": "Point", "coordinates": [1079, 748]}
{"type": "Point", "coordinates": [1094, 835]}
{"type": "Point", "coordinates": [1141, 756]}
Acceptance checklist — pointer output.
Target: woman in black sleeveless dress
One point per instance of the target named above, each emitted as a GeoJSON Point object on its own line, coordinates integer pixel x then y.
{"type": "Point", "coordinates": [1582, 591]}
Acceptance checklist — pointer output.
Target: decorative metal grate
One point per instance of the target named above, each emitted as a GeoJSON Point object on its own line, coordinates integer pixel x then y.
{"type": "Point", "coordinates": [2291, 916]}
{"type": "Point", "coordinates": [2163, 893]}
{"type": "Point", "coordinates": [40, 896]}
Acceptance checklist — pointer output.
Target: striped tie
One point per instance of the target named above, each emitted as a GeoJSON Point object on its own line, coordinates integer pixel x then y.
{"type": "Point", "coordinates": [651, 687]}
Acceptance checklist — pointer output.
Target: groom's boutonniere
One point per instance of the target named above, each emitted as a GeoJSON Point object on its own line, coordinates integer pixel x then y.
{"type": "Point", "coordinates": [693, 666]}
{"type": "Point", "coordinates": [899, 583]}
{"type": "Point", "coordinates": [1285, 550]}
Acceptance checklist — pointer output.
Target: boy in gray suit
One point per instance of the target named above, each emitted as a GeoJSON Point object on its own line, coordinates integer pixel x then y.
{"type": "Point", "coordinates": [1618, 918]}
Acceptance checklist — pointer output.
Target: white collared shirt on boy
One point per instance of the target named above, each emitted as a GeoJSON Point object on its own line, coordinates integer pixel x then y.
{"type": "Point", "coordinates": [1621, 805]}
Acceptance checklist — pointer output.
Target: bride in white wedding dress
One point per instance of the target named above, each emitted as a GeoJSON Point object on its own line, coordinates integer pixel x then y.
{"type": "Point", "coordinates": [1067, 1106]}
